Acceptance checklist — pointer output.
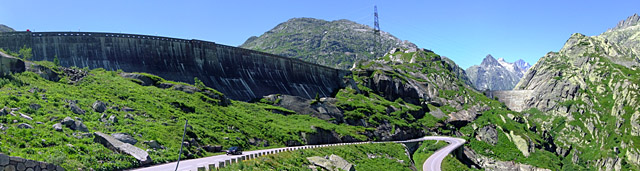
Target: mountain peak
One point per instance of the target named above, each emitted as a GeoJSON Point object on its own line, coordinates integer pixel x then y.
{"type": "Point", "coordinates": [489, 60]}
{"type": "Point", "coordinates": [522, 64]}
{"type": "Point", "coordinates": [630, 21]}
{"type": "Point", "coordinates": [337, 43]}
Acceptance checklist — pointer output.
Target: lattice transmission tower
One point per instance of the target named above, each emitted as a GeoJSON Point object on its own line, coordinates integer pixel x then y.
{"type": "Point", "coordinates": [376, 30]}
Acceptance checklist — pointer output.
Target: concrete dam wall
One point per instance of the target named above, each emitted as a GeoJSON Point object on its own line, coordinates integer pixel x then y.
{"type": "Point", "coordinates": [513, 99]}
{"type": "Point", "coordinates": [240, 74]}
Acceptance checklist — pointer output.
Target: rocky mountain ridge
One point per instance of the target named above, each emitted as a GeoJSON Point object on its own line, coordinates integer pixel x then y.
{"type": "Point", "coordinates": [336, 43]}
{"type": "Point", "coordinates": [585, 96]}
{"type": "Point", "coordinates": [498, 74]}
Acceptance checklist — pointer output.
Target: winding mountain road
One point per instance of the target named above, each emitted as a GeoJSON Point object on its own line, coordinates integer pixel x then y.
{"type": "Point", "coordinates": [434, 162]}
{"type": "Point", "coordinates": [431, 164]}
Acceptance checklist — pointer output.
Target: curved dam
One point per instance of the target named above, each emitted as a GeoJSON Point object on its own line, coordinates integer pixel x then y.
{"type": "Point", "coordinates": [240, 74]}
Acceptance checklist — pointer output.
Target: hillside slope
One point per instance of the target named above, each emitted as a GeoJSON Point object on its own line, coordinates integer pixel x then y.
{"type": "Point", "coordinates": [331, 43]}
{"type": "Point", "coordinates": [586, 98]}
{"type": "Point", "coordinates": [38, 103]}
{"type": "Point", "coordinates": [4, 28]}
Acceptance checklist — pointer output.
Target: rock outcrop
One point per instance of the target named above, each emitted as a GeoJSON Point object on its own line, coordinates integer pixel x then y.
{"type": "Point", "coordinates": [488, 163]}
{"type": "Point", "coordinates": [331, 163]}
{"type": "Point", "coordinates": [323, 108]}
{"type": "Point", "coordinates": [121, 147]}
{"type": "Point", "coordinates": [321, 136]}
{"type": "Point", "coordinates": [10, 64]}
{"type": "Point", "coordinates": [488, 134]}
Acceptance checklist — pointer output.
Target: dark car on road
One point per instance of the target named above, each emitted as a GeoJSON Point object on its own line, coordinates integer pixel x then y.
{"type": "Point", "coordinates": [234, 151]}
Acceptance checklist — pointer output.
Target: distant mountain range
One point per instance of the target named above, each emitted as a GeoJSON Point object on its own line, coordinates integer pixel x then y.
{"type": "Point", "coordinates": [332, 43]}
{"type": "Point", "coordinates": [494, 74]}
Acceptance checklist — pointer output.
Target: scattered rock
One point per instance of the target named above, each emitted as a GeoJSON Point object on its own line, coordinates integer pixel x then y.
{"type": "Point", "coordinates": [74, 75]}
{"type": "Point", "coordinates": [128, 109]}
{"type": "Point", "coordinates": [24, 126]}
{"type": "Point", "coordinates": [57, 127]}
{"type": "Point", "coordinates": [82, 135]}
{"type": "Point", "coordinates": [67, 121]}
{"type": "Point", "coordinates": [153, 144]}
{"type": "Point", "coordinates": [128, 116]}
{"type": "Point", "coordinates": [75, 109]}
{"type": "Point", "coordinates": [212, 149]}
{"type": "Point", "coordinates": [74, 124]}
{"type": "Point", "coordinates": [118, 146]}
{"type": "Point", "coordinates": [125, 137]}
{"type": "Point", "coordinates": [35, 106]}
{"type": "Point", "coordinates": [341, 163]}
{"type": "Point", "coordinates": [4, 111]}
{"type": "Point", "coordinates": [113, 119]}
{"type": "Point", "coordinates": [25, 116]}
{"type": "Point", "coordinates": [81, 127]}
{"type": "Point", "coordinates": [99, 106]}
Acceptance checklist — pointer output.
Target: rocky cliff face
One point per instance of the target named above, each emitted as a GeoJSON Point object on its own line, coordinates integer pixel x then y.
{"type": "Point", "coordinates": [494, 74]}
{"type": "Point", "coordinates": [4, 28]}
{"type": "Point", "coordinates": [331, 43]}
{"type": "Point", "coordinates": [588, 94]}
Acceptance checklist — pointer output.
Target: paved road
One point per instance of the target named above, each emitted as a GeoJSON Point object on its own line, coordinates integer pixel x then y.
{"type": "Point", "coordinates": [218, 160]}
{"type": "Point", "coordinates": [433, 163]}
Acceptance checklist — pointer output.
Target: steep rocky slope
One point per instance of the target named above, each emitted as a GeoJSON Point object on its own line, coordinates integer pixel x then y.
{"type": "Point", "coordinates": [410, 93]}
{"type": "Point", "coordinates": [494, 74]}
{"type": "Point", "coordinates": [332, 43]}
{"type": "Point", "coordinates": [585, 97]}
{"type": "Point", "coordinates": [4, 28]}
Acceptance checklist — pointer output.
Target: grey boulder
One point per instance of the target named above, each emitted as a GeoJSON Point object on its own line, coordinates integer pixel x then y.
{"type": "Point", "coordinates": [99, 106]}
{"type": "Point", "coordinates": [121, 147]}
{"type": "Point", "coordinates": [124, 137]}
{"type": "Point", "coordinates": [25, 126]}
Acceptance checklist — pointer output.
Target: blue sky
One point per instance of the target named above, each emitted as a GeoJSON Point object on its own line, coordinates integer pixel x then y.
{"type": "Point", "coordinates": [465, 31]}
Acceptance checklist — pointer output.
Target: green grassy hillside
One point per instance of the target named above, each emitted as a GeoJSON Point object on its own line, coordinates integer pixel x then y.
{"type": "Point", "coordinates": [154, 114]}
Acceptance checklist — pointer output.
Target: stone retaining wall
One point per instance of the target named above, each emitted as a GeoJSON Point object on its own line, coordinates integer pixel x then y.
{"type": "Point", "coordinates": [19, 164]}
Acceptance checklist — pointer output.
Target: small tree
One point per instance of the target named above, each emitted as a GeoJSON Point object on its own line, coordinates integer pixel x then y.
{"type": "Point", "coordinates": [56, 61]}
{"type": "Point", "coordinates": [25, 53]}
{"type": "Point", "coordinates": [198, 83]}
